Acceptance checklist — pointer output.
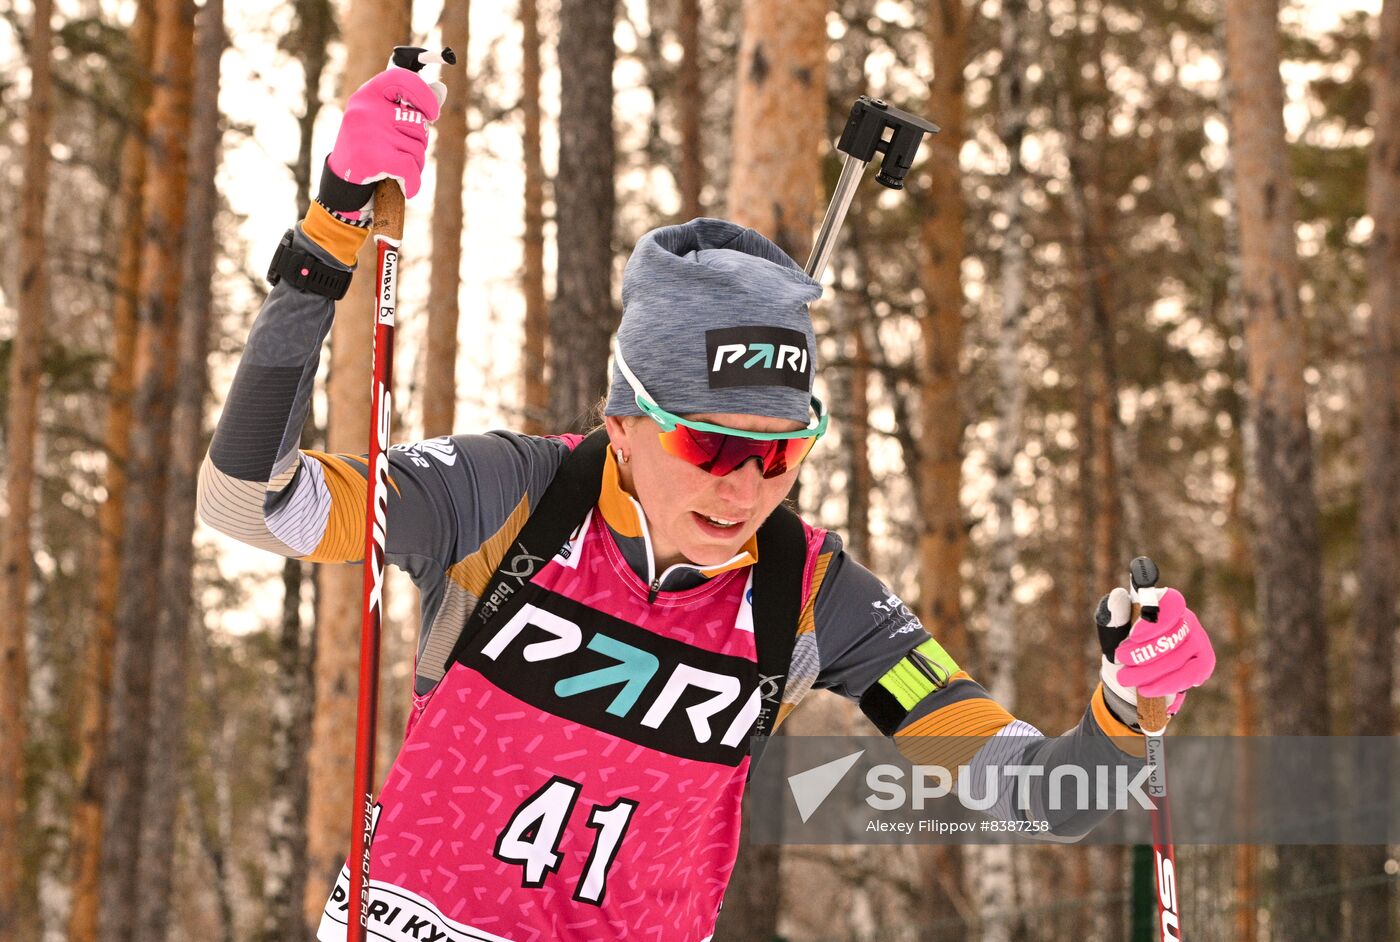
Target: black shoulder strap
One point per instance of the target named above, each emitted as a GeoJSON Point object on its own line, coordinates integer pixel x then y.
{"type": "Point", "coordinates": [777, 606]}
{"type": "Point", "coordinates": [570, 495]}
{"type": "Point", "coordinates": [777, 584]}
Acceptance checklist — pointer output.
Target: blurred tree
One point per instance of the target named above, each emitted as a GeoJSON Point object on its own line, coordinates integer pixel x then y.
{"type": "Point", "coordinates": [331, 760]}
{"type": "Point", "coordinates": [779, 126]}
{"type": "Point", "coordinates": [370, 29]}
{"type": "Point", "coordinates": [444, 281]}
{"type": "Point", "coordinates": [532, 269]}
{"type": "Point", "coordinates": [177, 614]}
{"type": "Point", "coordinates": [163, 201]}
{"type": "Point", "coordinates": [1372, 678]}
{"type": "Point", "coordinates": [22, 425]}
{"type": "Point", "coordinates": [96, 679]}
{"type": "Point", "coordinates": [940, 278]}
{"type": "Point", "coordinates": [689, 103]}
{"type": "Point", "coordinates": [1286, 541]}
{"type": "Point", "coordinates": [780, 122]}
{"type": "Point", "coordinates": [582, 318]}
{"type": "Point", "coordinates": [294, 683]}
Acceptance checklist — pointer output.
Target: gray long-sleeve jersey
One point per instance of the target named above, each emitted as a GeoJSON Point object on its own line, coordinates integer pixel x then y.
{"type": "Point", "coordinates": [456, 502]}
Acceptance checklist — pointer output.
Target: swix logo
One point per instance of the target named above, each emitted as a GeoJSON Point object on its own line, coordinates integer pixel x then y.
{"type": "Point", "coordinates": [381, 496]}
{"type": "Point", "coordinates": [1161, 646]}
{"type": "Point", "coordinates": [440, 448]}
{"type": "Point", "coordinates": [408, 116]}
{"type": "Point", "coordinates": [758, 356]}
{"type": "Point", "coordinates": [1166, 895]}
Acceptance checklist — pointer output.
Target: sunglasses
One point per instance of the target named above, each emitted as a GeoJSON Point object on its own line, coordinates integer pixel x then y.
{"type": "Point", "coordinates": [719, 449]}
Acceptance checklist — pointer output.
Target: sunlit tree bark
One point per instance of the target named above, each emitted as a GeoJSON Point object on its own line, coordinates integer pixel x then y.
{"type": "Point", "coordinates": [22, 426]}
{"type": "Point", "coordinates": [163, 201]}
{"type": "Point", "coordinates": [370, 29]}
{"type": "Point", "coordinates": [582, 317]}
{"type": "Point", "coordinates": [164, 779]}
{"type": "Point", "coordinates": [1286, 541]}
{"type": "Point", "coordinates": [444, 281]}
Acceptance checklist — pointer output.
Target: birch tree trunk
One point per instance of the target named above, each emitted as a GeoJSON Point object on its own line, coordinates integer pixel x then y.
{"type": "Point", "coordinates": [1286, 541]}
{"type": "Point", "coordinates": [582, 319]}
{"type": "Point", "coordinates": [370, 31]}
{"type": "Point", "coordinates": [689, 103]}
{"type": "Point", "coordinates": [444, 281]}
{"type": "Point", "coordinates": [22, 425]}
{"type": "Point", "coordinates": [780, 122]}
{"type": "Point", "coordinates": [1374, 645]}
{"type": "Point", "coordinates": [532, 249]}
{"type": "Point", "coordinates": [284, 873]}
{"type": "Point", "coordinates": [177, 613]}
{"type": "Point", "coordinates": [163, 201]}
{"type": "Point", "coordinates": [994, 885]}
{"type": "Point", "coordinates": [85, 835]}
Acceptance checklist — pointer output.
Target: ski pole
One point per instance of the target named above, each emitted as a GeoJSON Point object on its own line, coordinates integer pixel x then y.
{"type": "Point", "coordinates": [1152, 717]}
{"type": "Point", "coordinates": [387, 232]}
{"type": "Point", "coordinates": [863, 137]}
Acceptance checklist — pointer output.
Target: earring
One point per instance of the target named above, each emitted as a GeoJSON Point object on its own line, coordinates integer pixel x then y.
{"type": "Point", "coordinates": [620, 456]}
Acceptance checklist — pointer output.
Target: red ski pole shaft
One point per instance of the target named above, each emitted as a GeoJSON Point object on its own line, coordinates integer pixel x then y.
{"type": "Point", "coordinates": [387, 232]}
{"type": "Point", "coordinates": [1152, 718]}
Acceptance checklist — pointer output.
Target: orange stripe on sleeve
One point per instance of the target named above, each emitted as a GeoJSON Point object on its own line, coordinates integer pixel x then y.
{"type": "Point", "coordinates": [344, 539]}
{"type": "Point", "coordinates": [950, 736]}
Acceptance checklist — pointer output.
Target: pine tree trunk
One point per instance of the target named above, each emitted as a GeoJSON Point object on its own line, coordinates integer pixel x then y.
{"type": "Point", "coordinates": [532, 267]}
{"type": "Point", "coordinates": [1286, 540]}
{"type": "Point", "coordinates": [444, 282]}
{"type": "Point", "coordinates": [689, 103]}
{"type": "Point", "coordinates": [85, 835]}
{"type": "Point", "coordinates": [163, 201]}
{"type": "Point", "coordinates": [309, 41]}
{"type": "Point", "coordinates": [370, 31]}
{"type": "Point", "coordinates": [284, 873]}
{"type": "Point", "coordinates": [943, 539]}
{"type": "Point", "coordinates": [582, 319]}
{"type": "Point", "coordinates": [1379, 560]}
{"type": "Point", "coordinates": [284, 876]}
{"type": "Point", "coordinates": [780, 122]}
{"type": "Point", "coordinates": [22, 428]}
{"type": "Point", "coordinates": [177, 612]}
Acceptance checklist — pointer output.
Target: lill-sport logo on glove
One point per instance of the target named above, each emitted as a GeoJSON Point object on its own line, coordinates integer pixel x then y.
{"type": "Point", "coordinates": [1161, 646]}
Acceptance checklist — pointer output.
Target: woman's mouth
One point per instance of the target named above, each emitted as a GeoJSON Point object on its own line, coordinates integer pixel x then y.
{"type": "Point", "coordinates": [716, 526]}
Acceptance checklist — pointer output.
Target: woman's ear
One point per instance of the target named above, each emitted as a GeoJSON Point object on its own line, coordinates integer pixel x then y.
{"type": "Point", "coordinates": [618, 430]}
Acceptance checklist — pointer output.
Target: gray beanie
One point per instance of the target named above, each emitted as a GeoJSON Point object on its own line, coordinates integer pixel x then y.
{"type": "Point", "coordinates": [714, 319]}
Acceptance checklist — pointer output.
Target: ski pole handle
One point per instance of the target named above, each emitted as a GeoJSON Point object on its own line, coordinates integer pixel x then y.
{"type": "Point", "coordinates": [1143, 577]}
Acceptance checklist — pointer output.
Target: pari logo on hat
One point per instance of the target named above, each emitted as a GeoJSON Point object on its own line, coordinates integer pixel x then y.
{"type": "Point", "coordinates": [758, 356]}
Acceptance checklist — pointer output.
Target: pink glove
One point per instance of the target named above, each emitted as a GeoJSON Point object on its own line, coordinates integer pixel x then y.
{"type": "Point", "coordinates": [1167, 657]}
{"type": "Point", "coordinates": [384, 134]}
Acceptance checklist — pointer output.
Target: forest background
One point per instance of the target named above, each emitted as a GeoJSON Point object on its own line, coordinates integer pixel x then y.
{"type": "Point", "coordinates": [1140, 296]}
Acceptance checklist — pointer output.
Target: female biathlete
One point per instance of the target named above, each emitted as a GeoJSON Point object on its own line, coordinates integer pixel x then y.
{"type": "Point", "coordinates": [595, 654]}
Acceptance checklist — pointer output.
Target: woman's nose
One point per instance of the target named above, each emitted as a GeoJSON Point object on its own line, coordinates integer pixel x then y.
{"type": "Point", "coordinates": [741, 485]}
